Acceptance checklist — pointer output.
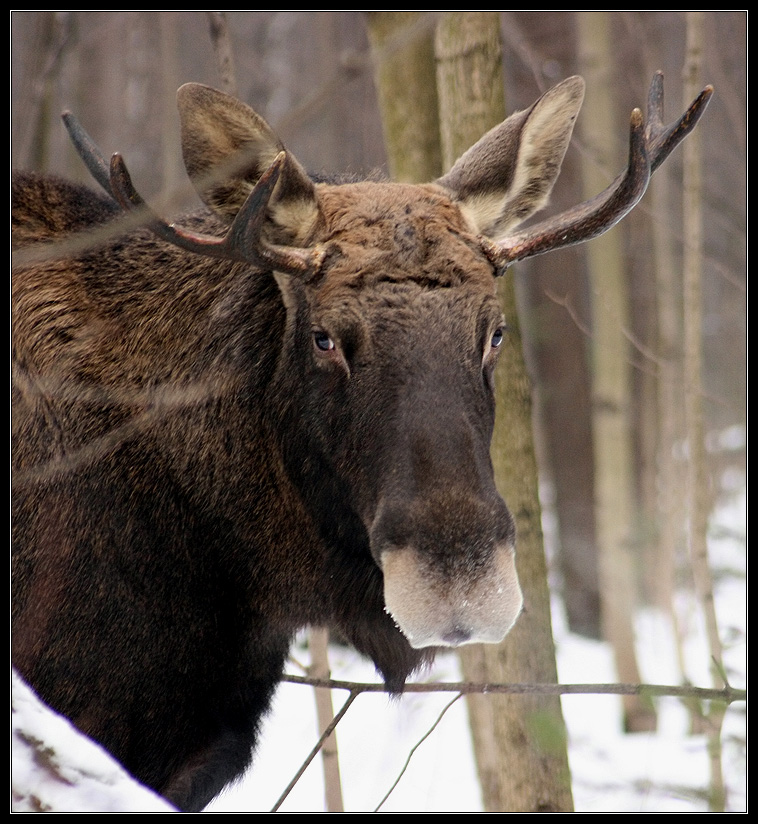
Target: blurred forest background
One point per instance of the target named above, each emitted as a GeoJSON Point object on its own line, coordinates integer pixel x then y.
{"type": "Point", "coordinates": [313, 76]}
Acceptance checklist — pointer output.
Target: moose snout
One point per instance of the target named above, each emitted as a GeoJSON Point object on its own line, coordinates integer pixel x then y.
{"type": "Point", "coordinates": [449, 571]}
{"type": "Point", "coordinates": [434, 610]}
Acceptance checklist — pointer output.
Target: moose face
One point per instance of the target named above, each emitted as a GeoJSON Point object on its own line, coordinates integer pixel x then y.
{"type": "Point", "coordinates": [389, 289]}
{"type": "Point", "coordinates": [403, 332]}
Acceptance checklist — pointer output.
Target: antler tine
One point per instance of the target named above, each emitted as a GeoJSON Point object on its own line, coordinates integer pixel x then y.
{"type": "Point", "coordinates": [649, 145]}
{"type": "Point", "coordinates": [586, 220]}
{"type": "Point", "coordinates": [243, 242]}
{"type": "Point", "coordinates": [661, 140]}
{"type": "Point", "coordinates": [88, 151]}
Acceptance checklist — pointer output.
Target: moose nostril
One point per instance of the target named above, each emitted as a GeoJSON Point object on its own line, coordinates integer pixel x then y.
{"type": "Point", "coordinates": [457, 636]}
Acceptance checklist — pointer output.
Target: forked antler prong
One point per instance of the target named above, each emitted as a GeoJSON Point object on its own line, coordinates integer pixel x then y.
{"type": "Point", "coordinates": [243, 242]}
{"type": "Point", "coordinates": [662, 140]}
{"type": "Point", "coordinates": [649, 145]}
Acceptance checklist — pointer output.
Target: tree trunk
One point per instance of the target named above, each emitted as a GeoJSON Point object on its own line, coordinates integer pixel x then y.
{"type": "Point", "coordinates": [30, 134]}
{"type": "Point", "coordinates": [697, 482]}
{"type": "Point", "coordinates": [520, 741]}
{"type": "Point", "coordinates": [319, 668]}
{"type": "Point", "coordinates": [614, 464]}
{"type": "Point", "coordinates": [402, 47]}
{"type": "Point", "coordinates": [664, 553]}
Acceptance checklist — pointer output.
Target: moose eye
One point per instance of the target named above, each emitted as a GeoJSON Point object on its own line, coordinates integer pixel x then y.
{"type": "Point", "coordinates": [322, 341]}
{"type": "Point", "coordinates": [497, 337]}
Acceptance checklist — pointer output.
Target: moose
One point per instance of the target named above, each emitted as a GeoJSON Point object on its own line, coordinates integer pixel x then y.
{"type": "Point", "coordinates": [273, 414]}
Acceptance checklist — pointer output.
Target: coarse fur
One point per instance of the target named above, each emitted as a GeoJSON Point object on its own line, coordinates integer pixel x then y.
{"type": "Point", "coordinates": [209, 456]}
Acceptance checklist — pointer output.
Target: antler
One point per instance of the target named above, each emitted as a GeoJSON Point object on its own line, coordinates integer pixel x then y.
{"type": "Point", "coordinates": [88, 151]}
{"type": "Point", "coordinates": [649, 145]}
{"type": "Point", "coordinates": [244, 240]}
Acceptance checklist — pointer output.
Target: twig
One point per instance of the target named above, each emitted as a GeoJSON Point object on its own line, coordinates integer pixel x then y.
{"type": "Point", "coordinates": [314, 752]}
{"type": "Point", "coordinates": [415, 747]}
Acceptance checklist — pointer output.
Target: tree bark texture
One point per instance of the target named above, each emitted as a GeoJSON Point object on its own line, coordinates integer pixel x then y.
{"type": "Point", "coordinates": [319, 668]}
{"type": "Point", "coordinates": [697, 480]}
{"type": "Point", "coordinates": [520, 742]}
{"type": "Point", "coordinates": [402, 46]}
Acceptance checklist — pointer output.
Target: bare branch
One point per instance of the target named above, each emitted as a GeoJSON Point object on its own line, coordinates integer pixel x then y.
{"type": "Point", "coordinates": [319, 744]}
{"type": "Point", "coordinates": [414, 748]}
{"type": "Point", "coordinates": [728, 694]}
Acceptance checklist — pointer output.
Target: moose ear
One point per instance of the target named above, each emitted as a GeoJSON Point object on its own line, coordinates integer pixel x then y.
{"type": "Point", "coordinates": [227, 147]}
{"type": "Point", "coordinates": [509, 174]}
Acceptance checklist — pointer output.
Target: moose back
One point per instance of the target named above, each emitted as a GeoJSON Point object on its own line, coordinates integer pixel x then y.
{"type": "Point", "coordinates": [276, 415]}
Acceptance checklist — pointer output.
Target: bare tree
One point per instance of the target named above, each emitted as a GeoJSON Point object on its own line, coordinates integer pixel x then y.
{"type": "Point", "coordinates": [520, 743]}
{"type": "Point", "coordinates": [402, 46]}
{"type": "Point", "coordinates": [319, 669]}
{"type": "Point", "coordinates": [697, 484]}
{"type": "Point", "coordinates": [611, 387]}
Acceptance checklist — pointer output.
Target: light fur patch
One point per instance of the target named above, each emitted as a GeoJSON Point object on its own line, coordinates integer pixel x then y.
{"type": "Point", "coordinates": [431, 612]}
{"type": "Point", "coordinates": [544, 141]}
{"type": "Point", "coordinates": [542, 145]}
{"type": "Point", "coordinates": [482, 211]}
{"type": "Point", "coordinates": [297, 217]}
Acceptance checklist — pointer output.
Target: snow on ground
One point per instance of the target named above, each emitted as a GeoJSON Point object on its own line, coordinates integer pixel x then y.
{"type": "Point", "coordinates": [56, 769]}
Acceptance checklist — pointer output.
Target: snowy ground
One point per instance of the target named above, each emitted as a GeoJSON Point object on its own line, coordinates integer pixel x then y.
{"type": "Point", "coordinates": [662, 772]}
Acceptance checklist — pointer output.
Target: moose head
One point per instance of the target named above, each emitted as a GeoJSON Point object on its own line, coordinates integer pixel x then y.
{"type": "Point", "coordinates": [336, 473]}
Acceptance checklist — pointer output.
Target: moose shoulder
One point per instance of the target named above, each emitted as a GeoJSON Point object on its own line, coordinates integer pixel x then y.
{"type": "Point", "coordinates": [276, 415]}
